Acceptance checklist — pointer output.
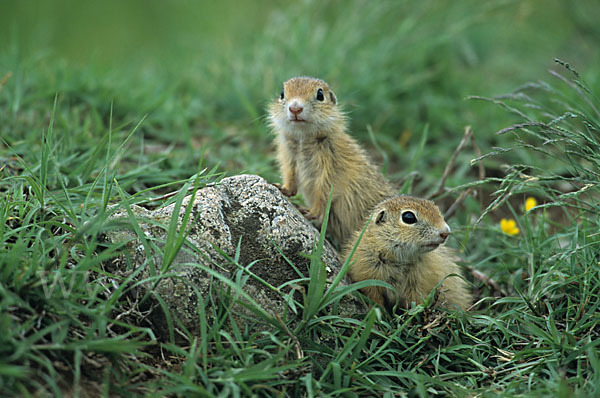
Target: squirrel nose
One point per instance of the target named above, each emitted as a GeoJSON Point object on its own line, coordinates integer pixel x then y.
{"type": "Point", "coordinates": [445, 232]}
{"type": "Point", "coordinates": [296, 109]}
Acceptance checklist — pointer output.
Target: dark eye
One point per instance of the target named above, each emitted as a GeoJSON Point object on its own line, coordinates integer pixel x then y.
{"type": "Point", "coordinates": [408, 217]}
{"type": "Point", "coordinates": [320, 96]}
{"type": "Point", "coordinates": [282, 95]}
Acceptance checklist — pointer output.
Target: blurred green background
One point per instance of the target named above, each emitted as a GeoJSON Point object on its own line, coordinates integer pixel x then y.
{"type": "Point", "coordinates": [203, 71]}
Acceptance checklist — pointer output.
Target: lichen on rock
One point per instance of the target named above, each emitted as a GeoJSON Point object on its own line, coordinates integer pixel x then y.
{"type": "Point", "coordinates": [242, 208]}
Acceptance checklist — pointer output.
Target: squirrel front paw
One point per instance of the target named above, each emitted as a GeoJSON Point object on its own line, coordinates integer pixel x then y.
{"type": "Point", "coordinates": [286, 190]}
{"type": "Point", "coordinates": [311, 214]}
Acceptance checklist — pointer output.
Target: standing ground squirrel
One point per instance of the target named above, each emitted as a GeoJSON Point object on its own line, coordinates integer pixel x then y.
{"type": "Point", "coordinates": [402, 245]}
{"type": "Point", "coordinates": [315, 154]}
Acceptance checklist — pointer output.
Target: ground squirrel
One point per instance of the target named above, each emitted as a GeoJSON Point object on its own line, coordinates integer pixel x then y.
{"type": "Point", "coordinates": [402, 245]}
{"type": "Point", "coordinates": [315, 154]}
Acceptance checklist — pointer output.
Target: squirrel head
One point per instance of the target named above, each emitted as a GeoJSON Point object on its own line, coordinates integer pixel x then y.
{"type": "Point", "coordinates": [305, 105]}
{"type": "Point", "coordinates": [408, 227]}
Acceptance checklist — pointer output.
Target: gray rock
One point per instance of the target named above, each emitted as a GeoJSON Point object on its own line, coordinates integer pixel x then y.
{"type": "Point", "coordinates": [245, 208]}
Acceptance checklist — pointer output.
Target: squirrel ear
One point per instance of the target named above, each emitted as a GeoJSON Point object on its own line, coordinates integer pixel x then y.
{"type": "Point", "coordinates": [332, 97]}
{"type": "Point", "coordinates": [380, 217]}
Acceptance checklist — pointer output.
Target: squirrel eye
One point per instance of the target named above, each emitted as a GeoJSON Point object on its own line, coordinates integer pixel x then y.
{"type": "Point", "coordinates": [320, 96]}
{"type": "Point", "coordinates": [408, 217]}
{"type": "Point", "coordinates": [282, 95]}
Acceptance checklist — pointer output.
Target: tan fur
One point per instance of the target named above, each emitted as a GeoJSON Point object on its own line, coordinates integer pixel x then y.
{"type": "Point", "coordinates": [316, 154]}
{"type": "Point", "coordinates": [410, 257]}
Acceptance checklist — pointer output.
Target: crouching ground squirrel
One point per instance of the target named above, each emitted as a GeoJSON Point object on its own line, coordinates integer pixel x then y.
{"type": "Point", "coordinates": [402, 245]}
{"type": "Point", "coordinates": [315, 153]}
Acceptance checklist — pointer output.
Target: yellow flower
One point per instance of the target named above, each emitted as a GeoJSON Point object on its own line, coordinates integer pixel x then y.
{"type": "Point", "coordinates": [530, 203]}
{"type": "Point", "coordinates": [509, 227]}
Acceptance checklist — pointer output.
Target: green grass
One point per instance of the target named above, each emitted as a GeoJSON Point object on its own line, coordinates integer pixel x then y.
{"type": "Point", "coordinates": [119, 105]}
